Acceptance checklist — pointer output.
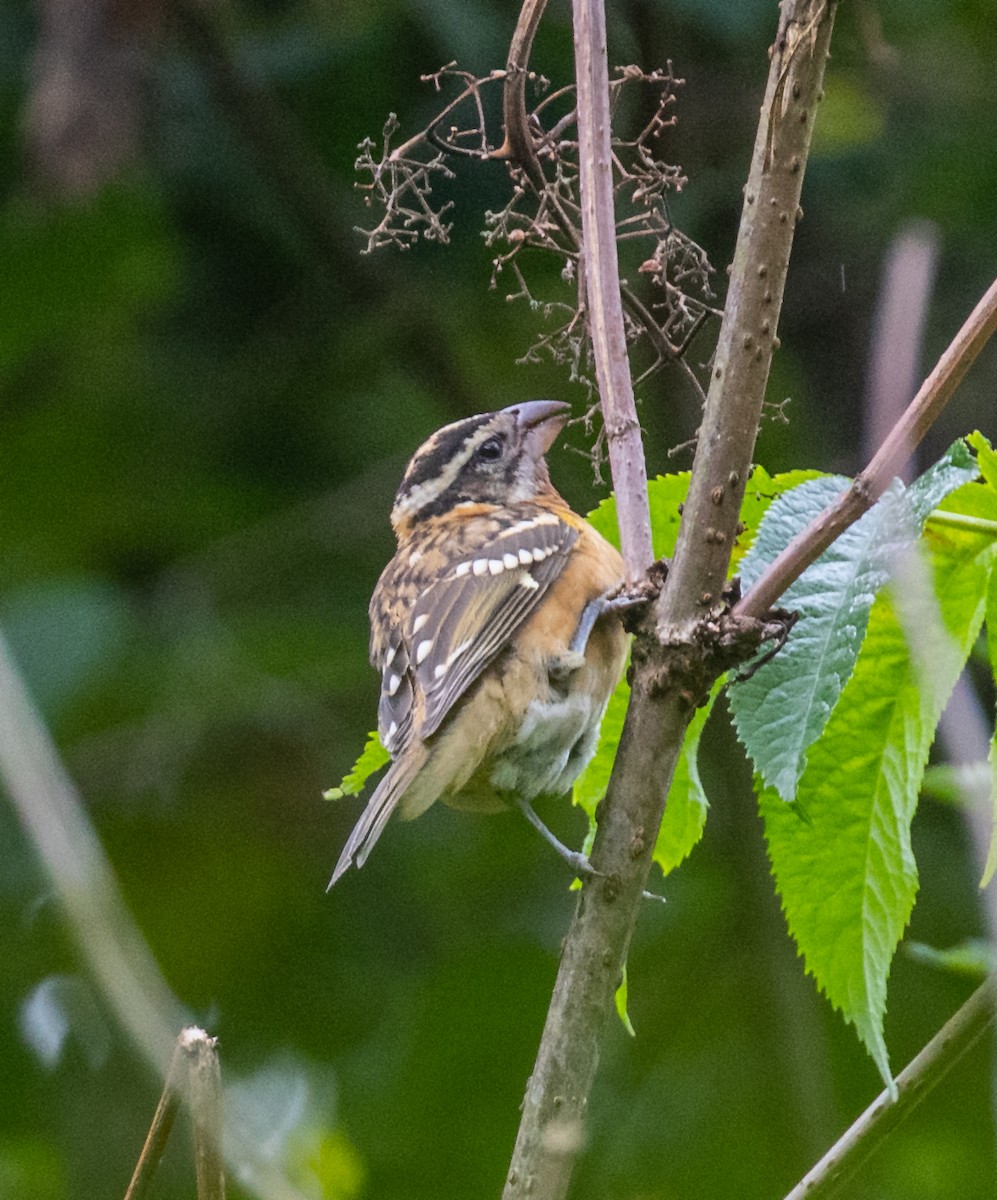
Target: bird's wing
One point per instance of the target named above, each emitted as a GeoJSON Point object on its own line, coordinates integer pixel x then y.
{"type": "Point", "coordinates": [458, 622]}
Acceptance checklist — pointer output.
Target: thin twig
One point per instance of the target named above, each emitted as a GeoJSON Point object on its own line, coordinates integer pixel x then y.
{"type": "Point", "coordinates": [518, 144]}
{"type": "Point", "coordinates": [159, 1130]}
{"type": "Point", "coordinates": [869, 485]}
{"type": "Point", "coordinates": [957, 1036]}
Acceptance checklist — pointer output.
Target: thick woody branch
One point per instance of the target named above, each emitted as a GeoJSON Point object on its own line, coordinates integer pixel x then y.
{"type": "Point", "coordinates": [899, 444]}
{"type": "Point", "coordinates": [671, 670]}
{"type": "Point", "coordinates": [748, 334]}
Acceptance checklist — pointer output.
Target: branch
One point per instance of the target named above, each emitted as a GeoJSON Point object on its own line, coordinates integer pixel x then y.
{"type": "Point", "coordinates": [672, 672]}
{"type": "Point", "coordinates": [602, 284]}
{"type": "Point", "coordinates": [900, 443]}
{"type": "Point", "coordinates": [754, 300]}
{"type": "Point", "coordinates": [194, 1073]}
{"type": "Point", "coordinates": [204, 1097]}
{"type": "Point", "coordinates": [518, 144]}
{"type": "Point", "coordinates": [159, 1130]}
{"type": "Point", "coordinates": [957, 1036]}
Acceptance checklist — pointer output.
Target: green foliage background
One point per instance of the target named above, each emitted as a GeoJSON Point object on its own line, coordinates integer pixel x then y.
{"type": "Point", "coordinates": [206, 405]}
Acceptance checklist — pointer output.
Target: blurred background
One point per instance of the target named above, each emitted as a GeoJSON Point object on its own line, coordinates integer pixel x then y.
{"type": "Point", "coordinates": [208, 396]}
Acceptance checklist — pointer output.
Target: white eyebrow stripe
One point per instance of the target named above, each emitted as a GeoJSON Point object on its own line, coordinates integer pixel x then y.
{"type": "Point", "coordinates": [424, 493]}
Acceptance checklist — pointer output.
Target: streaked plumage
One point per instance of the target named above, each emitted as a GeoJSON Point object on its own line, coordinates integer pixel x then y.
{"type": "Point", "coordinates": [483, 699]}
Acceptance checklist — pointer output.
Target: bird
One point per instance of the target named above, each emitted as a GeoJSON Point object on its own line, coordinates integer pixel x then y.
{"type": "Point", "coordinates": [492, 629]}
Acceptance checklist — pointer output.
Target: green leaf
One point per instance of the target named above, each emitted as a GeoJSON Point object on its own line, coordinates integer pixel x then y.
{"type": "Point", "coordinates": [761, 491]}
{"type": "Point", "coordinates": [590, 786]}
{"type": "Point", "coordinates": [685, 812]}
{"type": "Point", "coordinates": [991, 619]}
{"type": "Point", "coordinates": [781, 709]}
{"type": "Point", "coordinates": [985, 457]}
{"type": "Point", "coordinates": [846, 875]}
{"type": "Point", "coordinates": [621, 1004]}
{"type": "Point", "coordinates": [977, 503]}
{"type": "Point", "coordinates": [666, 494]}
{"type": "Point", "coordinates": [372, 759]}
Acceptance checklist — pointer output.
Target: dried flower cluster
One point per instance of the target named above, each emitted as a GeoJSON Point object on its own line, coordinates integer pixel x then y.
{"type": "Point", "coordinates": [542, 213]}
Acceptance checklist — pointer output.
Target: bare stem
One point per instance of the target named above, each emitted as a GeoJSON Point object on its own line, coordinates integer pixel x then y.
{"type": "Point", "coordinates": [204, 1096]}
{"type": "Point", "coordinates": [602, 283]}
{"type": "Point", "coordinates": [669, 672]}
{"type": "Point", "coordinates": [754, 300]}
{"type": "Point", "coordinates": [518, 144]}
{"type": "Point", "coordinates": [159, 1130]}
{"type": "Point", "coordinates": [193, 1074]}
{"type": "Point", "coordinates": [957, 1036]}
{"type": "Point", "coordinates": [899, 444]}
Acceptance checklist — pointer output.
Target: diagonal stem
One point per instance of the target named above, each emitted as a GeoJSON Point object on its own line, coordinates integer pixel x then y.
{"type": "Point", "coordinates": [899, 444]}
{"type": "Point", "coordinates": [956, 1037]}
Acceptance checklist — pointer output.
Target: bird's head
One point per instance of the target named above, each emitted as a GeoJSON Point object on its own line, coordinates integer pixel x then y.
{"type": "Point", "coordinates": [493, 458]}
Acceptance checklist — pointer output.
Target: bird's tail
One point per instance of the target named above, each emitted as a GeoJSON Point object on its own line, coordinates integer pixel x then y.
{"type": "Point", "coordinates": [379, 808]}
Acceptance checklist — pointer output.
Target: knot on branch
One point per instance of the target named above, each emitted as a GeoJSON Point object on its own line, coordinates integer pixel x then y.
{"type": "Point", "coordinates": [632, 604]}
{"type": "Point", "coordinates": [690, 660]}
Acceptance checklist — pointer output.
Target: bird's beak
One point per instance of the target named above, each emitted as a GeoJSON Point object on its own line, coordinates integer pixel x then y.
{"type": "Point", "coordinates": [541, 421]}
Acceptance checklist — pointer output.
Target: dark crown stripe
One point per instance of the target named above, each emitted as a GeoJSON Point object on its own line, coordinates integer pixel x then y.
{"type": "Point", "coordinates": [450, 445]}
{"type": "Point", "coordinates": [442, 447]}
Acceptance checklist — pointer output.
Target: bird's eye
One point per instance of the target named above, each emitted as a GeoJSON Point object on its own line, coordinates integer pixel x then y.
{"type": "Point", "coordinates": [491, 450]}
